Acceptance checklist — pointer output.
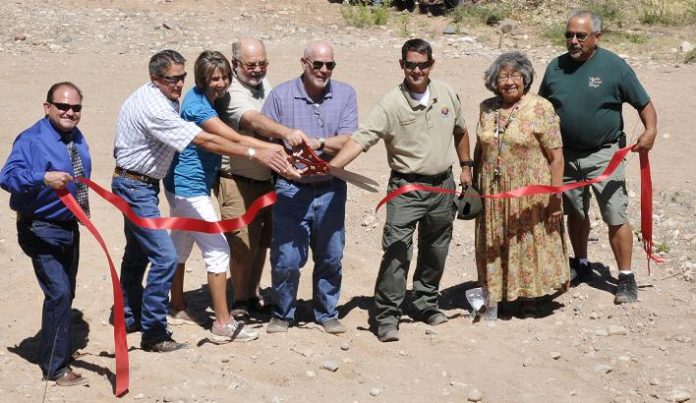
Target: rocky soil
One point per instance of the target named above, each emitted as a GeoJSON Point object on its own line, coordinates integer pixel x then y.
{"type": "Point", "coordinates": [583, 348]}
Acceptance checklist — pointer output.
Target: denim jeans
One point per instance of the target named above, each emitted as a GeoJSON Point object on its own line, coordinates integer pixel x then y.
{"type": "Point", "coordinates": [147, 306]}
{"type": "Point", "coordinates": [308, 216]}
{"type": "Point", "coordinates": [54, 249]}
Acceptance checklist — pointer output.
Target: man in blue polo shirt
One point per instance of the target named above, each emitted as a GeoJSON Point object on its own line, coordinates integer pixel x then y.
{"type": "Point", "coordinates": [310, 212]}
{"type": "Point", "coordinates": [46, 157]}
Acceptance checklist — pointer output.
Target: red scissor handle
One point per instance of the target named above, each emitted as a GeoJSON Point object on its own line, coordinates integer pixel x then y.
{"type": "Point", "coordinates": [313, 165]}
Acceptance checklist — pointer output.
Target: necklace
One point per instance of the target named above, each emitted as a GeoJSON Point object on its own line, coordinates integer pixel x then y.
{"type": "Point", "coordinates": [500, 133]}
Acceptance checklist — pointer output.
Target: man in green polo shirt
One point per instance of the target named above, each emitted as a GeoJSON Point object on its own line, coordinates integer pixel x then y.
{"type": "Point", "coordinates": [587, 86]}
{"type": "Point", "coordinates": [422, 125]}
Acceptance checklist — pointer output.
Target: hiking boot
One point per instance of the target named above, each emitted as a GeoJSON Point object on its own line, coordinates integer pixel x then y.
{"type": "Point", "coordinates": [626, 290]}
{"type": "Point", "coordinates": [388, 333]}
{"type": "Point", "coordinates": [232, 331]}
{"type": "Point", "coordinates": [334, 326]}
{"type": "Point", "coordinates": [579, 272]}
{"type": "Point", "coordinates": [163, 346]}
{"type": "Point", "coordinates": [277, 325]}
{"type": "Point", "coordinates": [436, 319]}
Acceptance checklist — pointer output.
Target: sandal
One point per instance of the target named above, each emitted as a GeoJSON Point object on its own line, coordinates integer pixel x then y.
{"type": "Point", "coordinates": [240, 311]}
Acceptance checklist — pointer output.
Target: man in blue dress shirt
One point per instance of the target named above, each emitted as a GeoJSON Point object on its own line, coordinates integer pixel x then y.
{"type": "Point", "coordinates": [46, 157]}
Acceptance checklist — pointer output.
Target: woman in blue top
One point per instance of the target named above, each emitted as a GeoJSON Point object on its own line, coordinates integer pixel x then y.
{"type": "Point", "coordinates": [188, 186]}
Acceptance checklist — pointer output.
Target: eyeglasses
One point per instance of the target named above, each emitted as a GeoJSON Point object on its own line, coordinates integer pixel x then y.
{"type": "Point", "coordinates": [253, 66]}
{"type": "Point", "coordinates": [514, 76]}
{"type": "Point", "coordinates": [580, 36]}
{"type": "Point", "coordinates": [317, 65]}
{"type": "Point", "coordinates": [173, 79]}
{"type": "Point", "coordinates": [413, 65]}
{"type": "Point", "coordinates": [66, 107]}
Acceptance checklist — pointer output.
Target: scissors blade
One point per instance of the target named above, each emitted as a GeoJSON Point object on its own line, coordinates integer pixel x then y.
{"type": "Point", "coordinates": [358, 180]}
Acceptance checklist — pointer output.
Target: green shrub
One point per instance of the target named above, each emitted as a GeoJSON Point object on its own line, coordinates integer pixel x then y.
{"type": "Point", "coordinates": [618, 36]}
{"type": "Point", "coordinates": [690, 57]}
{"type": "Point", "coordinates": [554, 33]}
{"type": "Point", "coordinates": [489, 14]}
{"type": "Point", "coordinates": [362, 15]}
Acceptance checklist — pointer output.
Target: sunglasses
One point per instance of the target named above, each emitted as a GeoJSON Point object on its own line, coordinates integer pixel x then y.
{"type": "Point", "coordinates": [317, 65]}
{"type": "Point", "coordinates": [66, 107]}
{"type": "Point", "coordinates": [173, 79]}
{"type": "Point", "coordinates": [413, 65]}
{"type": "Point", "coordinates": [580, 36]}
{"type": "Point", "coordinates": [253, 66]}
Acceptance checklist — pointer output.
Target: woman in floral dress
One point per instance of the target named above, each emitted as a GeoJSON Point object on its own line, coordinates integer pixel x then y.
{"type": "Point", "coordinates": [520, 247]}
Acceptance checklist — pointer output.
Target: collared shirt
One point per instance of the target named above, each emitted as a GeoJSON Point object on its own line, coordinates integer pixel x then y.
{"type": "Point", "coordinates": [149, 131]}
{"type": "Point", "coordinates": [419, 139]}
{"type": "Point", "coordinates": [38, 150]}
{"type": "Point", "coordinates": [336, 113]}
{"type": "Point", "coordinates": [240, 99]}
{"type": "Point", "coordinates": [194, 170]}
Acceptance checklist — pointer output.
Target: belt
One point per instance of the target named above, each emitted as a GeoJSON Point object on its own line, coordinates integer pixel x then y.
{"type": "Point", "coordinates": [118, 171]}
{"type": "Point", "coordinates": [244, 179]}
{"type": "Point", "coordinates": [315, 184]}
{"type": "Point", "coordinates": [25, 217]}
{"type": "Point", "coordinates": [432, 179]}
{"type": "Point", "coordinates": [621, 140]}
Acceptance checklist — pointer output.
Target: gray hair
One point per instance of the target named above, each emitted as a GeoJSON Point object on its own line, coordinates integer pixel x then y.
{"type": "Point", "coordinates": [163, 60]}
{"type": "Point", "coordinates": [314, 45]}
{"type": "Point", "coordinates": [518, 61]}
{"type": "Point", "coordinates": [595, 20]}
{"type": "Point", "coordinates": [238, 46]}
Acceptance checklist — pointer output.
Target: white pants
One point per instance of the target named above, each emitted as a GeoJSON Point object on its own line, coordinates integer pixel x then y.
{"type": "Point", "coordinates": [214, 247]}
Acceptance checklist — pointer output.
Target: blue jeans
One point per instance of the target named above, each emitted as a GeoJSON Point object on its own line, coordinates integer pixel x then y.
{"type": "Point", "coordinates": [308, 216]}
{"type": "Point", "coordinates": [54, 249]}
{"type": "Point", "coordinates": [147, 306]}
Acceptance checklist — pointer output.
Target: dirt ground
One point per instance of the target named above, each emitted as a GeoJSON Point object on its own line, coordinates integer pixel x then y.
{"type": "Point", "coordinates": [583, 349]}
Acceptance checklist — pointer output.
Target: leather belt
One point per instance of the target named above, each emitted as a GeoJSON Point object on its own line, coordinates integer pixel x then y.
{"type": "Point", "coordinates": [118, 171]}
{"type": "Point", "coordinates": [244, 179]}
{"type": "Point", "coordinates": [414, 177]}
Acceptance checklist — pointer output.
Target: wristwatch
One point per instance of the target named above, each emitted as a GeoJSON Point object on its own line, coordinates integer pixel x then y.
{"type": "Point", "coordinates": [251, 151]}
{"type": "Point", "coordinates": [322, 141]}
{"type": "Point", "coordinates": [466, 163]}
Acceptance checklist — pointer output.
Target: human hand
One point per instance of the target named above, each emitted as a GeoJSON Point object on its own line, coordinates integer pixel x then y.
{"type": "Point", "coordinates": [554, 209]}
{"type": "Point", "coordinates": [645, 141]}
{"type": "Point", "coordinates": [465, 178]}
{"type": "Point", "coordinates": [295, 137]}
{"type": "Point", "coordinates": [57, 180]}
{"type": "Point", "coordinates": [278, 160]}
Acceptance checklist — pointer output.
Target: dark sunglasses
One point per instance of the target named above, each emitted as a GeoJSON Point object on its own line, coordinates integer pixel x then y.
{"type": "Point", "coordinates": [413, 65]}
{"type": "Point", "coordinates": [316, 65]}
{"type": "Point", "coordinates": [66, 107]}
{"type": "Point", "coordinates": [580, 36]}
{"type": "Point", "coordinates": [173, 79]}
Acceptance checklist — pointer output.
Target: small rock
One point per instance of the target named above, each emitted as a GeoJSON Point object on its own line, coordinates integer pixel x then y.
{"type": "Point", "coordinates": [475, 395]}
{"type": "Point", "coordinates": [139, 396]}
{"type": "Point", "coordinates": [375, 391]}
{"type": "Point", "coordinates": [685, 47]}
{"type": "Point", "coordinates": [654, 382]}
{"type": "Point", "coordinates": [594, 315]}
{"type": "Point", "coordinates": [615, 330]}
{"type": "Point", "coordinates": [450, 29]}
{"type": "Point", "coordinates": [345, 346]}
{"type": "Point", "coordinates": [311, 373]}
{"type": "Point", "coordinates": [555, 355]}
{"type": "Point", "coordinates": [329, 365]}
{"type": "Point", "coordinates": [225, 360]}
{"type": "Point", "coordinates": [20, 37]}
{"type": "Point", "coordinates": [678, 396]}
{"type": "Point", "coordinates": [430, 331]}
{"type": "Point", "coordinates": [603, 369]}
{"type": "Point", "coordinates": [601, 332]}
{"type": "Point", "coordinates": [527, 362]}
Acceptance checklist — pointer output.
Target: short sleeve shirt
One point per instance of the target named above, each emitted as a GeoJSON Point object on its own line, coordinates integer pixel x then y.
{"type": "Point", "coordinates": [149, 131]}
{"type": "Point", "coordinates": [588, 97]}
{"type": "Point", "coordinates": [418, 138]}
{"type": "Point", "coordinates": [239, 100]}
{"type": "Point", "coordinates": [194, 170]}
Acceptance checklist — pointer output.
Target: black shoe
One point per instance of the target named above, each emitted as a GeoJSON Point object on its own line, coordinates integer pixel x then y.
{"type": "Point", "coordinates": [626, 290]}
{"type": "Point", "coordinates": [579, 272]}
{"type": "Point", "coordinates": [163, 346]}
{"type": "Point", "coordinates": [135, 327]}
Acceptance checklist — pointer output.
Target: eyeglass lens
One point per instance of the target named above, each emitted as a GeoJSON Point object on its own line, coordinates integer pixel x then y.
{"type": "Point", "coordinates": [66, 107]}
{"type": "Point", "coordinates": [317, 65]}
{"type": "Point", "coordinates": [422, 65]}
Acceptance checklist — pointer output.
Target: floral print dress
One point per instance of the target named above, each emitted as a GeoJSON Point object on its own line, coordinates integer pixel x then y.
{"type": "Point", "coordinates": [518, 252]}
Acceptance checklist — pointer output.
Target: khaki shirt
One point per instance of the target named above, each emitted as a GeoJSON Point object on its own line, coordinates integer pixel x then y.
{"type": "Point", "coordinates": [239, 100]}
{"type": "Point", "coordinates": [419, 139]}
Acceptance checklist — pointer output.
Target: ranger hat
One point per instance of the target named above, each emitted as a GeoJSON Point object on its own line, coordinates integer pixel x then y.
{"type": "Point", "coordinates": [468, 204]}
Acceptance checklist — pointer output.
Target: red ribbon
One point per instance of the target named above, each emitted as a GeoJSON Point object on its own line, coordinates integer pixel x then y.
{"type": "Point", "coordinates": [532, 190]}
{"type": "Point", "coordinates": [171, 223]}
{"type": "Point", "coordinates": [120, 341]}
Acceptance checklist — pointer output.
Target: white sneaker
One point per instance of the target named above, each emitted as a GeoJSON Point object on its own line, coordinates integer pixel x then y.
{"type": "Point", "coordinates": [232, 331]}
